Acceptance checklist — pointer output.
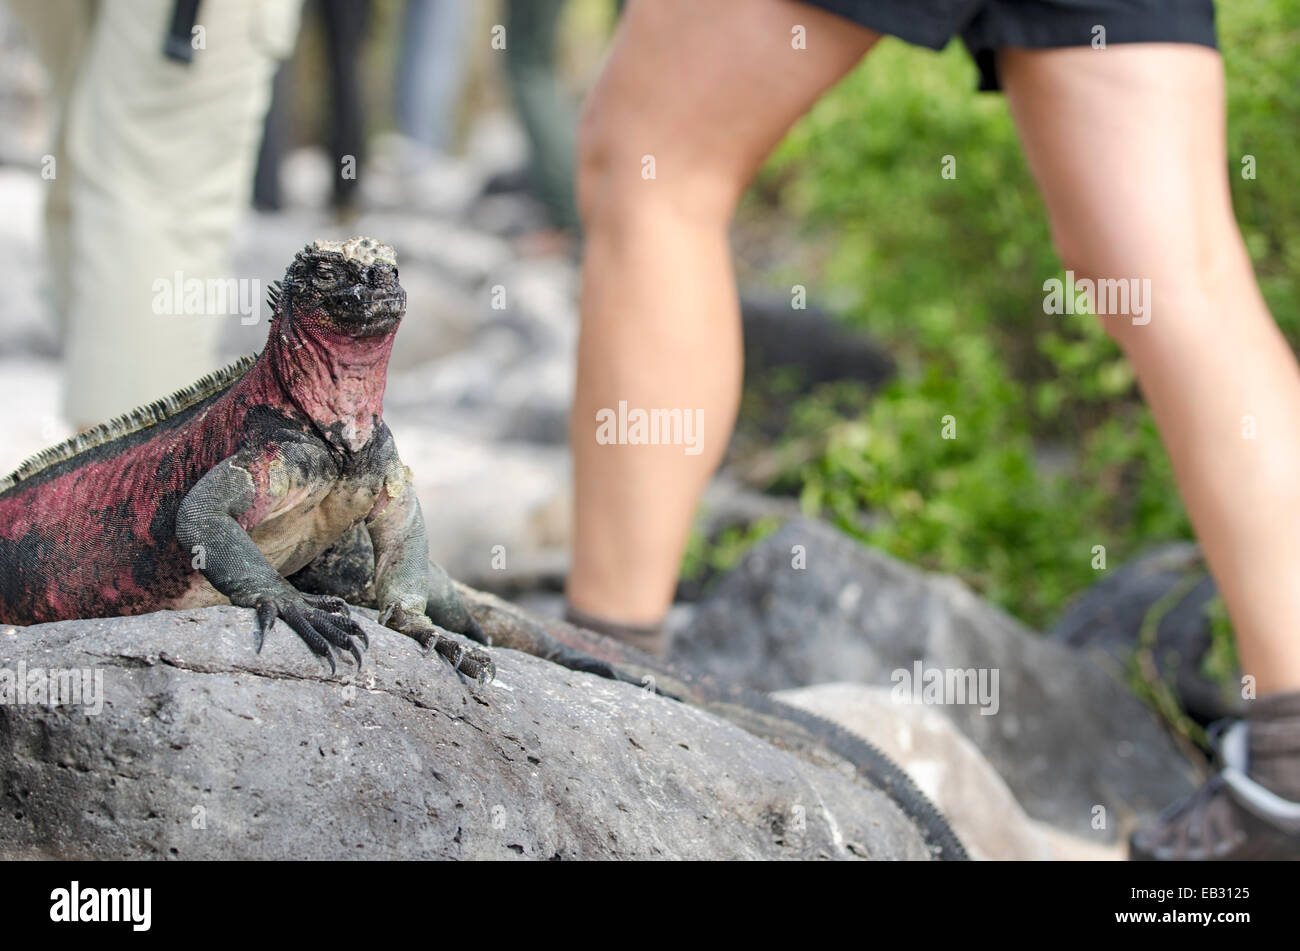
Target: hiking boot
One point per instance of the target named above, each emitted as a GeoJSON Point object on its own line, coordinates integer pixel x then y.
{"type": "Point", "coordinates": [1233, 816]}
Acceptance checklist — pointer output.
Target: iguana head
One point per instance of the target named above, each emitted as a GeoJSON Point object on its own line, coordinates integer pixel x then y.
{"type": "Point", "coordinates": [335, 316]}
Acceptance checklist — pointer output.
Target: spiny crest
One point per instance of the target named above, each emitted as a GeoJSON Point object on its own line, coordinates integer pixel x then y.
{"type": "Point", "coordinates": [273, 296]}
{"type": "Point", "coordinates": [140, 418]}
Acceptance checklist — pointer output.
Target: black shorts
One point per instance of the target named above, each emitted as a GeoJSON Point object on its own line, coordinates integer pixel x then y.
{"type": "Point", "coordinates": [987, 25]}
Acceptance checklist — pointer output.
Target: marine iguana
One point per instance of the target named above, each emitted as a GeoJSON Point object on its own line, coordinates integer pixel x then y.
{"type": "Point", "coordinates": [223, 490]}
{"type": "Point", "coordinates": [274, 484]}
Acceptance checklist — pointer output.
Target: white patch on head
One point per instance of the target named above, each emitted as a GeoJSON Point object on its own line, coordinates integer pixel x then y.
{"type": "Point", "coordinates": [362, 251]}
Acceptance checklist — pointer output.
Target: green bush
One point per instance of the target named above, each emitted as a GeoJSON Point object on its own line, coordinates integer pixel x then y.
{"type": "Point", "coordinates": [1054, 453]}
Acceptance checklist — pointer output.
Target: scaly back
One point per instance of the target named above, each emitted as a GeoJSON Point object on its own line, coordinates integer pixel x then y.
{"type": "Point", "coordinates": [138, 419]}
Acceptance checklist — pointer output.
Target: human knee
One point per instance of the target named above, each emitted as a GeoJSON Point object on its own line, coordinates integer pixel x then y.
{"type": "Point", "coordinates": [628, 166]}
{"type": "Point", "coordinates": [1181, 286]}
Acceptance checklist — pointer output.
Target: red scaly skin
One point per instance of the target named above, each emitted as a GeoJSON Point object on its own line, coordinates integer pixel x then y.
{"type": "Point", "coordinates": [95, 535]}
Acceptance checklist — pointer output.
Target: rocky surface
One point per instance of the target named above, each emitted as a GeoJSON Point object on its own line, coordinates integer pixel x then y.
{"type": "Point", "coordinates": [952, 771]}
{"type": "Point", "coordinates": [204, 749]}
{"type": "Point", "coordinates": [1172, 588]}
{"type": "Point", "coordinates": [1067, 735]}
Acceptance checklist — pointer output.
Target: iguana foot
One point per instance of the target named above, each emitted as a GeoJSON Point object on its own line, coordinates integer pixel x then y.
{"type": "Point", "coordinates": [321, 621]}
{"type": "Point", "coordinates": [469, 661]}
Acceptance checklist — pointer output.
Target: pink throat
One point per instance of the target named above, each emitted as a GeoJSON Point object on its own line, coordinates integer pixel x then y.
{"type": "Point", "coordinates": [335, 379]}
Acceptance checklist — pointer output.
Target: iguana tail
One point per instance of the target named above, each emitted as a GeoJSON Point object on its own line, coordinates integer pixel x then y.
{"type": "Point", "coordinates": [811, 737]}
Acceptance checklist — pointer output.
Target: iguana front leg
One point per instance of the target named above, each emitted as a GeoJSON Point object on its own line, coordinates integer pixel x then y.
{"type": "Point", "coordinates": [411, 593]}
{"type": "Point", "coordinates": [214, 518]}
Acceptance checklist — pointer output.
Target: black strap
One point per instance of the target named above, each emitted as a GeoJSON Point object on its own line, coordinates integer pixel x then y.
{"type": "Point", "coordinates": [179, 44]}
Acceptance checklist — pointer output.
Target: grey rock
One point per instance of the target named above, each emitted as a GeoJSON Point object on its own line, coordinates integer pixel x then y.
{"type": "Point", "coordinates": [951, 771]}
{"type": "Point", "coordinates": [439, 319]}
{"type": "Point", "coordinates": [496, 143]}
{"type": "Point", "coordinates": [509, 215]}
{"type": "Point", "coordinates": [491, 388]}
{"type": "Point", "coordinates": [1106, 622]}
{"type": "Point", "coordinates": [822, 347]}
{"type": "Point", "coordinates": [203, 749]}
{"type": "Point", "coordinates": [729, 506]}
{"type": "Point", "coordinates": [510, 376]}
{"type": "Point", "coordinates": [541, 295]}
{"type": "Point", "coordinates": [505, 505]}
{"type": "Point", "coordinates": [789, 354]}
{"type": "Point", "coordinates": [1067, 735]}
{"type": "Point", "coordinates": [461, 254]}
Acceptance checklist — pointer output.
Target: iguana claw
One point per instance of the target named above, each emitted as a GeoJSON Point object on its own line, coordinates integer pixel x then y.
{"type": "Point", "coordinates": [265, 621]}
{"type": "Point", "coordinates": [337, 606]}
{"type": "Point", "coordinates": [321, 621]}
{"type": "Point", "coordinates": [469, 661]}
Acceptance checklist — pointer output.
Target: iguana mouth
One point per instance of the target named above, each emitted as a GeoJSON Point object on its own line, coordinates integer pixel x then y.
{"type": "Point", "coordinates": [388, 307]}
{"type": "Point", "coordinates": [362, 315]}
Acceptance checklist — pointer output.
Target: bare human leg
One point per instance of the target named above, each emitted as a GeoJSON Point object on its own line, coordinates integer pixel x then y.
{"type": "Point", "coordinates": [694, 95]}
{"type": "Point", "coordinates": [1127, 144]}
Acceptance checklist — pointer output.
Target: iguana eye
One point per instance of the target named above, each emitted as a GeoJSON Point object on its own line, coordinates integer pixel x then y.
{"type": "Point", "coordinates": [324, 272]}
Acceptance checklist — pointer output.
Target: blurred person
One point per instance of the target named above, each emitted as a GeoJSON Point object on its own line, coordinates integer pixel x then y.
{"type": "Point", "coordinates": [267, 188]}
{"type": "Point", "coordinates": [153, 166]}
{"type": "Point", "coordinates": [430, 77]}
{"type": "Point", "coordinates": [431, 70]}
{"type": "Point", "coordinates": [708, 88]}
{"type": "Point", "coordinates": [344, 24]}
{"type": "Point", "coordinates": [548, 111]}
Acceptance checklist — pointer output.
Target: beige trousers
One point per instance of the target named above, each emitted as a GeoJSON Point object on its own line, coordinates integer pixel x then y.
{"type": "Point", "coordinates": [152, 171]}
